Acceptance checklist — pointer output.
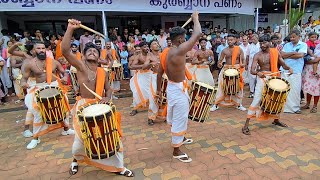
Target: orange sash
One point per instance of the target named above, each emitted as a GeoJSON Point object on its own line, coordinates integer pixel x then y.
{"type": "Point", "coordinates": [101, 77]}
{"type": "Point", "coordinates": [49, 70]}
{"type": "Point", "coordinates": [103, 54]}
{"type": "Point", "coordinates": [78, 55]}
{"type": "Point", "coordinates": [58, 50]}
{"type": "Point", "coordinates": [274, 61]}
{"type": "Point", "coordinates": [113, 53]}
{"type": "Point", "coordinates": [234, 56]}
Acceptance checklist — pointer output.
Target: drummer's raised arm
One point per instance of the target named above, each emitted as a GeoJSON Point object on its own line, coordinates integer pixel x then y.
{"type": "Point", "coordinates": [65, 44]}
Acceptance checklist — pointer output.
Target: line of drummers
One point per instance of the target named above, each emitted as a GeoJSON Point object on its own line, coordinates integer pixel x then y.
{"type": "Point", "coordinates": [100, 127]}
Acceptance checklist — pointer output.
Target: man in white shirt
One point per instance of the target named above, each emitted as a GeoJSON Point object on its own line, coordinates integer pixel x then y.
{"type": "Point", "coordinates": [253, 49]}
{"type": "Point", "coordinates": [162, 39]}
{"type": "Point", "coordinates": [224, 33]}
{"type": "Point", "coordinates": [5, 38]}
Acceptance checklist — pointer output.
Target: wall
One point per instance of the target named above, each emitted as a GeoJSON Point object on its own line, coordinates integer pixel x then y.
{"type": "Point", "coordinates": [3, 21]}
{"type": "Point", "coordinates": [241, 22]}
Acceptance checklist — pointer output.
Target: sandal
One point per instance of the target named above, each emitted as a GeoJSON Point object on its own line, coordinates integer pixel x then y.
{"type": "Point", "coordinates": [73, 168]}
{"type": "Point", "coordinates": [187, 141]}
{"type": "Point", "coordinates": [133, 112]}
{"type": "Point", "coordinates": [150, 122]}
{"type": "Point", "coordinates": [126, 172]}
{"type": "Point", "coordinates": [307, 106]}
{"type": "Point", "coordinates": [314, 110]}
{"type": "Point", "coordinates": [298, 112]}
{"type": "Point", "coordinates": [278, 123]}
{"type": "Point", "coordinates": [246, 131]}
{"type": "Point", "coordinates": [180, 158]}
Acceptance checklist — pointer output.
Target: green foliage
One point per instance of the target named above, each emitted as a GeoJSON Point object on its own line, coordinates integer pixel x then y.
{"type": "Point", "coordinates": [295, 16]}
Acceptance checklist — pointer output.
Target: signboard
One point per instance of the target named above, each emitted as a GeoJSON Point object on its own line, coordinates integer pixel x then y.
{"type": "Point", "coordinates": [163, 6]}
{"type": "Point", "coordinates": [263, 18]}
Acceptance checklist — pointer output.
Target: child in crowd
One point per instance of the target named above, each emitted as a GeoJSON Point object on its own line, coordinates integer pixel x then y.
{"type": "Point", "coordinates": [313, 36]}
{"type": "Point", "coordinates": [124, 61]}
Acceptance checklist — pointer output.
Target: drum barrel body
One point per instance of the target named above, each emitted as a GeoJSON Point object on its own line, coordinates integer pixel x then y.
{"type": "Point", "coordinates": [52, 109]}
{"type": "Point", "coordinates": [231, 84]}
{"type": "Point", "coordinates": [273, 101]}
{"type": "Point", "coordinates": [118, 73]}
{"type": "Point", "coordinates": [201, 100]}
{"type": "Point", "coordinates": [164, 84]}
{"type": "Point", "coordinates": [100, 135]}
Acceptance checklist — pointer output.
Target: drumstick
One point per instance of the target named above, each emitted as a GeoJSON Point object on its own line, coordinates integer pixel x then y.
{"type": "Point", "coordinates": [92, 92]}
{"type": "Point", "coordinates": [187, 22]}
{"type": "Point", "coordinates": [89, 29]}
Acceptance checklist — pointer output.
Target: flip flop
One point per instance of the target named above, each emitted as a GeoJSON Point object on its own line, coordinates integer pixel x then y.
{"type": "Point", "coordinates": [279, 124]}
{"type": "Point", "coordinates": [246, 131]}
{"type": "Point", "coordinates": [73, 168]}
{"type": "Point", "coordinates": [187, 141]}
{"type": "Point", "coordinates": [126, 172]}
{"type": "Point", "coordinates": [183, 156]}
{"type": "Point", "coordinates": [133, 112]}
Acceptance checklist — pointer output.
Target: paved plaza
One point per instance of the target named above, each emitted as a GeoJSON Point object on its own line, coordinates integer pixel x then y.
{"type": "Point", "coordinates": [219, 151]}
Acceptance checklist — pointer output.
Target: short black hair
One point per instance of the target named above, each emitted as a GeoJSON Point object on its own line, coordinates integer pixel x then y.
{"type": "Point", "coordinates": [29, 46]}
{"type": "Point", "coordinates": [237, 36]}
{"type": "Point", "coordinates": [265, 37]}
{"type": "Point", "coordinates": [4, 32]}
{"type": "Point", "coordinates": [274, 37]}
{"type": "Point", "coordinates": [231, 35]}
{"type": "Point", "coordinates": [287, 39]}
{"type": "Point", "coordinates": [143, 43]}
{"type": "Point", "coordinates": [177, 31]}
{"type": "Point", "coordinates": [90, 45]}
{"type": "Point", "coordinates": [61, 34]}
{"type": "Point", "coordinates": [312, 34]}
{"type": "Point", "coordinates": [168, 38]}
{"type": "Point", "coordinates": [137, 45]}
{"type": "Point", "coordinates": [202, 39]}
{"type": "Point", "coordinates": [153, 40]}
{"type": "Point", "coordinates": [125, 47]}
{"type": "Point", "coordinates": [73, 44]}
{"type": "Point", "coordinates": [97, 41]}
{"type": "Point", "coordinates": [35, 42]}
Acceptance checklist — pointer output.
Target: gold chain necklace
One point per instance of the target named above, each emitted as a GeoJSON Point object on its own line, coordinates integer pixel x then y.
{"type": "Point", "coordinates": [92, 74]}
{"type": "Point", "coordinates": [44, 67]}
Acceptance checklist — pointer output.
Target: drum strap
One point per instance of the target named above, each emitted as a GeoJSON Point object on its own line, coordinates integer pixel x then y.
{"type": "Point", "coordinates": [101, 77]}
{"type": "Point", "coordinates": [78, 56]}
{"type": "Point", "coordinates": [49, 70]}
{"type": "Point", "coordinates": [274, 61]}
{"type": "Point", "coordinates": [234, 56]}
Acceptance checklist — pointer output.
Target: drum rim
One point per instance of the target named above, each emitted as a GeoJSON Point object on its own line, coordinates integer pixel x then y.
{"type": "Point", "coordinates": [210, 87]}
{"type": "Point", "coordinates": [48, 87]}
{"type": "Point", "coordinates": [224, 72]}
{"type": "Point", "coordinates": [81, 108]}
{"type": "Point", "coordinates": [277, 90]}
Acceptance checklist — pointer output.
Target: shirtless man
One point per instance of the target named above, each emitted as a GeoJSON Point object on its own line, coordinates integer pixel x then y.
{"type": "Point", "coordinates": [136, 51]}
{"type": "Point", "coordinates": [202, 56]}
{"type": "Point", "coordinates": [267, 66]}
{"type": "Point", "coordinates": [140, 83]}
{"type": "Point", "coordinates": [154, 60]}
{"type": "Point", "coordinates": [38, 67]}
{"type": "Point", "coordinates": [173, 62]}
{"type": "Point", "coordinates": [95, 78]}
{"type": "Point", "coordinates": [237, 61]}
{"type": "Point", "coordinates": [27, 56]}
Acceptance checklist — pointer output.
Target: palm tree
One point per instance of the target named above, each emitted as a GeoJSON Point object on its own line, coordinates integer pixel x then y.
{"type": "Point", "coordinates": [295, 14]}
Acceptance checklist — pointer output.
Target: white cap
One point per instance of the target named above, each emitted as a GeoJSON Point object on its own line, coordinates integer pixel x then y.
{"type": "Point", "coordinates": [17, 35]}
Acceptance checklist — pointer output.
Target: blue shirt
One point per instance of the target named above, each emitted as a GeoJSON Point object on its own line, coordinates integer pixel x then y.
{"type": "Point", "coordinates": [295, 64]}
{"type": "Point", "coordinates": [124, 57]}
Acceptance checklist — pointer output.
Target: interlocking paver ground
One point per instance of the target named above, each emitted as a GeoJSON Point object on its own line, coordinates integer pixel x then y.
{"type": "Point", "coordinates": [219, 151]}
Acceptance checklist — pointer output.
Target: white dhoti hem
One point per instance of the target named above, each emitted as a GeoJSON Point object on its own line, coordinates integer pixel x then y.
{"type": "Point", "coordinates": [17, 76]}
{"type": "Point", "coordinates": [39, 126]}
{"type": "Point", "coordinates": [254, 110]}
{"type": "Point", "coordinates": [140, 87]}
{"type": "Point", "coordinates": [227, 100]}
{"type": "Point", "coordinates": [293, 100]}
{"type": "Point", "coordinates": [28, 101]}
{"type": "Point", "coordinates": [252, 82]}
{"type": "Point", "coordinates": [115, 85]}
{"type": "Point", "coordinates": [113, 164]}
{"type": "Point", "coordinates": [153, 106]}
{"type": "Point", "coordinates": [203, 74]}
{"type": "Point", "coordinates": [177, 112]}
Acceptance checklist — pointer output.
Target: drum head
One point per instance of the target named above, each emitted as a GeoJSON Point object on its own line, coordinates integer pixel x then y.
{"type": "Point", "coordinates": [116, 65]}
{"type": "Point", "coordinates": [96, 110]}
{"type": "Point", "coordinates": [231, 72]}
{"type": "Point", "coordinates": [205, 85]}
{"type": "Point", "coordinates": [48, 92]}
{"type": "Point", "coordinates": [278, 84]}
